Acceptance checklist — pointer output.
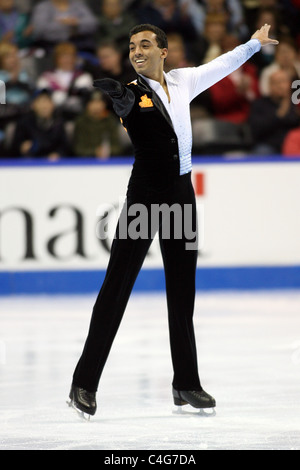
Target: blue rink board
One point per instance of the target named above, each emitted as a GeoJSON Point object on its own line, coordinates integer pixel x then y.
{"type": "Point", "coordinates": [89, 281]}
{"type": "Point", "coordinates": [150, 280]}
{"type": "Point", "coordinates": [128, 161]}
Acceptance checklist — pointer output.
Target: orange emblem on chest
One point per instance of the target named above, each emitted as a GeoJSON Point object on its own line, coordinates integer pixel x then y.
{"type": "Point", "coordinates": [146, 102]}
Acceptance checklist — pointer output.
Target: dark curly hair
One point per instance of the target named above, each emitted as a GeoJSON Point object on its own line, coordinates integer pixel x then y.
{"type": "Point", "coordinates": [161, 37]}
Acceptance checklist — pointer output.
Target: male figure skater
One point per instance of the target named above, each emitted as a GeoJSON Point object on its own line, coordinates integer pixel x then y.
{"type": "Point", "coordinates": [155, 111]}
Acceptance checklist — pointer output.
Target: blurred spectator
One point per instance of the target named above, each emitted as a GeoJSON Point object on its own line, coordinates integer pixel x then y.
{"type": "Point", "coordinates": [252, 9]}
{"type": "Point", "coordinates": [196, 12]}
{"type": "Point", "coordinates": [17, 82]}
{"type": "Point", "coordinates": [210, 46]}
{"type": "Point", "coordinates": [14, 26]}
{"type": "Point", "coordinates": [273, 116]}
{"type": "Point", "coordinates": [226, 7]}
{"type": "Point", "coordinates": [291, 144]}
{"type": "Point", "coordinates": [69, 85]}
{"type": "Point", "coordinates": [286, 58]}
{"type": "Point", "coordinates": [286, 11]}
{"type": "Point", "coordinates": [132, 5]}
{"type": "Point", "coordinates": [232, 96]}
{"type": "Point", "coordinates": [25, 6]}
{"type": "Point", "coordinates": [232, 11]}
{"type": "Point", "coordinates": [110, 64]}
{"type": "Point", "coordinates": [267, 53]}
{"type": "Point", "coordinates": [128, 5]}
{"type": "Point", "coordinates": [57, 21]}
{"type": "Point", "coordinates": [169, 16]}
{"type": "Point", "coordinates": [96, 132]}
{"type": "Point", "coordinates": [176, 53]}
{"type": "Point", "coordinates": [269, 15]}
{"type": "Point", "coordinates": [40, 133]}
{"type": "Point", "coordinates": [115, 24]}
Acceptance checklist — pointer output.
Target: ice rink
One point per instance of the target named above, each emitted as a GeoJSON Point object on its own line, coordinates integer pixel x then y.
{"type": "Point", "coordinates": [249, 360]}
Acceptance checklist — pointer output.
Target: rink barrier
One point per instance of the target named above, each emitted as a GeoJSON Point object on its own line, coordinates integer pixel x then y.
{"type": "Point", "coordinates": [85, 280]}
{"type": "Point", "coordinates": [150, 280]}
{"type": "Point", "coordinates": [219, 160]}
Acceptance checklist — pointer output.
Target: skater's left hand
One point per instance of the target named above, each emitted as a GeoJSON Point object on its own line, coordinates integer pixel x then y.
{"type": "Point", "coordinates": [262, 35]}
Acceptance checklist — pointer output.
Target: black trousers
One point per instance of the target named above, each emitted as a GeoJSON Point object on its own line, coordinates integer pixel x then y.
{"type": "Point", "coordinates": [179, 252]}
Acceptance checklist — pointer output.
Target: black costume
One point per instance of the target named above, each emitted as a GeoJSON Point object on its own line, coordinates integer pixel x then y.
{"type": "Point", "coordinates": [161, 175]}
{"type": "Point", "coordinates": [155, 179]}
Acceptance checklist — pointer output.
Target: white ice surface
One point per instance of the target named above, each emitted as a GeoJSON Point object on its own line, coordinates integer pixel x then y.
{"type": "Point", "coordinates": [249, 360]}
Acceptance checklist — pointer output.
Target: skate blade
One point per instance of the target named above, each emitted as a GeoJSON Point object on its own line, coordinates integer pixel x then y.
{"type": "Point", "coordinates": [84, 416]}
{"type": "Point", "coordinates": [204, 412]}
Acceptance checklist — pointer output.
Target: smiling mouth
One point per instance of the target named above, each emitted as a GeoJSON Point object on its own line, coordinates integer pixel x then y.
{"type": "Point", "coordinates": [140, 61]}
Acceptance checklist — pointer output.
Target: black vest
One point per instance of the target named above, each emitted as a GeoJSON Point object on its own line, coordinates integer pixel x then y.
{"type": "Point", "coordinates": [154, 140]}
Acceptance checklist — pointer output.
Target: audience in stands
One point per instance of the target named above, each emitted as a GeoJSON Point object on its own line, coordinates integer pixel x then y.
{"type": "Point", "coordinates": [14, 24]}
{"type": "Point", "coordinates": [69, 84]}
{"type": "Point", "coordinates": [267, 54]}
{"type": "Point", "coordinates": [286, 58]}
{"type": "Point", "coordinates": [169, 15]}
{"type": "Point", "coordinates": [232, 12]}
{"type": "Point", "coordinates": [56, 21]}
{"type": "Point", "coordinates": [63, 45]}
{"type": "Point", "coordinates": [40, 133]}
{"type": "Point", "coordinates": [97, 131]}
{"type": "Point", "coordinates": [177, 56]}
{"type": "Point", "coordinates": [291, 144]}
{"type": "Point", "coordinates": [17, 82]}
{"type": "Point", "coordinates": [109, 63]}
{"type": "Point", "coordinates": [114, 24]}
{"type": "Point", "coordinates": [209, 47]}
{"type": "Point", "coordinates": [273, 116]}
{"type": "Point", "coordinates": [196, 12]}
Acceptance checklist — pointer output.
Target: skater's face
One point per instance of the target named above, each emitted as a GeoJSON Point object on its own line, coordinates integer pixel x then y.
{"type": "Point", "coordinates": [145, 55]}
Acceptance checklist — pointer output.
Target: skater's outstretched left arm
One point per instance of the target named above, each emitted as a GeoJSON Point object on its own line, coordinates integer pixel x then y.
{"type": "Point", "coordinates": [203, 77]}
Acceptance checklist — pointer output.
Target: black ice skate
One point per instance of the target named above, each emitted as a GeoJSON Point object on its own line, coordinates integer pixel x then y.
{"type": "Point", "coordinates": [83, 402]}
{"type": "Point", "coordinates": [197, 399]}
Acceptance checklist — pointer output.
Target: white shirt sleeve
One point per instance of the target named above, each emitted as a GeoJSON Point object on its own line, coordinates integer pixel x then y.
{"type": "Point", "coordinates": [203, 77]}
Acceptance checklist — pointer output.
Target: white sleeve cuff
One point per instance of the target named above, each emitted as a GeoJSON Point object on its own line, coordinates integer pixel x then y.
{"type": "Point", "coordinates": [255, 43]}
